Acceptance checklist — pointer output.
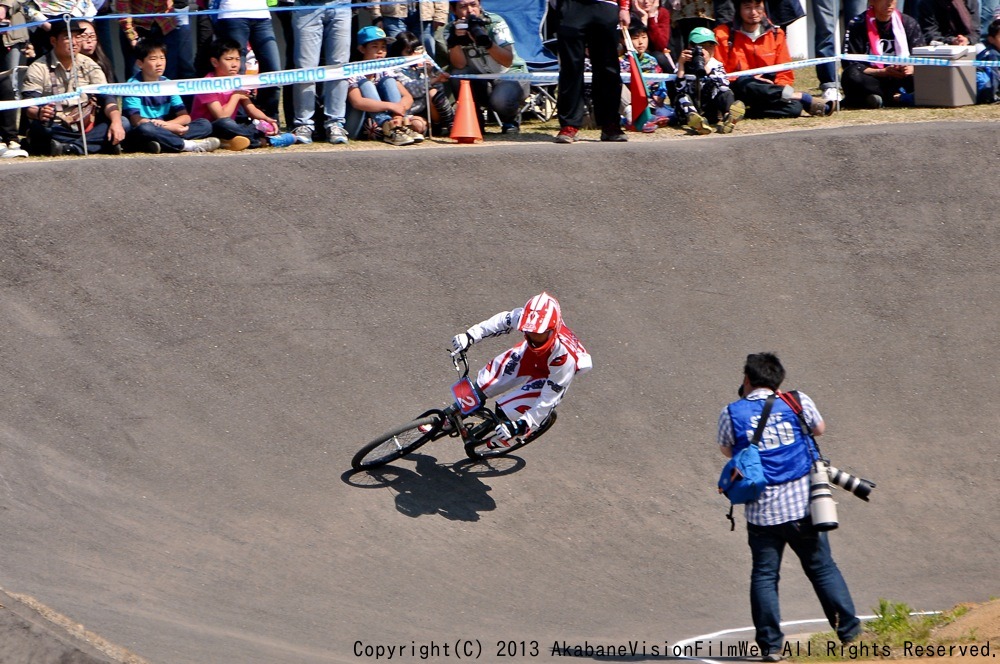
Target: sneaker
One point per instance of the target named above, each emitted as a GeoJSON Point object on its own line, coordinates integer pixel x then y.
{"type": "Point", "coordinates": [114, 148]}
{"type": "Point", "coordinates": [772, 657]}
{"type": "Point", "coordinates": [335, 135]}
{"type": "Point", "coordinates": [567, 135]}
{"type": "Point", "coordinates": [303, 134]}
{"type": "Point", "coordinates": [832, 97]}
{"type": "Point", "coordinates": [236, 144]}
{"type": "Point", "coordinates": [510, 128]}
{"type": "Point", "coordinates": [415, 135]}
{"type": "Point", "coordinates": [613, 134]}
{"type": "Point", "coordinates": [873, 101]}
{"type": "Point", "coordinates": [154, 147]}
{"type": "Point", "coordinates": [57, 149]}
{"type": "Point", "coordinates": [281, 140]}
{"type": "Point", "coordinates": [737, 111]}
{"type": "Point", "coordinates": [210, 144]}
{"type": "Point", "coordinates": [10, 152]}
{"type": "Point", "coordinates": [395, 135]}
{"type": "Point", "coordinates": [819, 107]}
{"type": "Point", "coordinates": [696, 123]}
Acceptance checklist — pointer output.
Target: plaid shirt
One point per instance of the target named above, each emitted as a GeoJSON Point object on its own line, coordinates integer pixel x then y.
{"type": "Point", "coordinates": [129, 24]}
{"type": "Point", "coordinates": [780, 503]}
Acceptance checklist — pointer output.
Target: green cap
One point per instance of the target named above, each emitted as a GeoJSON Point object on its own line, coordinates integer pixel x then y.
{"type": "Point", "coordinates": [702, 36]}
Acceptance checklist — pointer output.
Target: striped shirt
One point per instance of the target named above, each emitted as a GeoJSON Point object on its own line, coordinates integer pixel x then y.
{"type": "Point", "coordinates": [780, 503]}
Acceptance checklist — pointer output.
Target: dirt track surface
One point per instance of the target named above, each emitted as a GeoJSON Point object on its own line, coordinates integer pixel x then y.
{"type": "Point", "coordinates": [193, 351]}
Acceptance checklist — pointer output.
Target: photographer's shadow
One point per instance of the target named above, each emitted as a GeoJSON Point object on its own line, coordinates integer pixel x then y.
{"type": "Point", "coordinates": [455, 492]}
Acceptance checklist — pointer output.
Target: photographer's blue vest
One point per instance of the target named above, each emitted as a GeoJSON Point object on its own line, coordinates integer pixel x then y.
{"type": "Point", "coordinates": [785, 450]}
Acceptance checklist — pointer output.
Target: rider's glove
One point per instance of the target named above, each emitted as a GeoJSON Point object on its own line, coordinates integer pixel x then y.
{"type": "Point", "coordinates": [461, 342]}
{"type": "Point", "coordinates": [510, 430]}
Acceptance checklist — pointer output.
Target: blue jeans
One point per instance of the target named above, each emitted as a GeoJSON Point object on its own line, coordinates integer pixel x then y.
{"type": "Point", "coordinates": [387, 89]}
{"type": "Point", "coordinates": [260, 33]}
{"type": "Point", "coordinates": [824, 40]}
{"type": "Point", "coordinates": [171, 142]}
{"type": "Point", "coordinates": [326, 29]}
{"type": "Point", "coordinates": [767, 544]}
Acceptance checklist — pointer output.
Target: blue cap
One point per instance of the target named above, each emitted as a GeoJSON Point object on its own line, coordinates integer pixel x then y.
{"type": "Point", "coordinates": [370, 33]}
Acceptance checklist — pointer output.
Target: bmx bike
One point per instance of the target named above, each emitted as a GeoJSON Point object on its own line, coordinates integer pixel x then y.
{"type": "Point", "coordinates": [469, 418]}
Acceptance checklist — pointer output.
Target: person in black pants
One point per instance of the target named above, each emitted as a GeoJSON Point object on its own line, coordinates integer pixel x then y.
{"type": "Point", "coordinates": [590, 25]}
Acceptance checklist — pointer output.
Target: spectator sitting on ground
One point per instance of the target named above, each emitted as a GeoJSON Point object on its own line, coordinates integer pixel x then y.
{"type": "Point", "coordinates": [988, 78]}
{"type": "Point", "coordinates": [418, 81]}
{"type": "Point", "coordinates": [656, 19]}
{"type": "Point", "coordinates": [702, 94]}
{"type": "Point", "coordinates": [954, 22]}
{"type": "Point", "coordinates": [220, 108]}
{"type": "Point", "coordinates": [162, 123]}
{"type": "Point", "coordinates": [13, 47]}
{"type": "Point", "coordinates": [647, 64]}
{"type": "Point", "coordinates": [92, 48]}
{"type": "Point", "coordinates": [752, 42]}
{"type": "Point", "coordinates": [381, 95]}
{"type": "Point", "coordinates": [55, 129]}
{"type": "Point", "coordinates": [880, 30]}
{"type": "Point", "coordinates": [480, 42]}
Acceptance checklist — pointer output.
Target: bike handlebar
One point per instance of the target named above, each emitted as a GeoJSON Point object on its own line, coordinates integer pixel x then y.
{"type": "Point", "coordinates": [459, 359]}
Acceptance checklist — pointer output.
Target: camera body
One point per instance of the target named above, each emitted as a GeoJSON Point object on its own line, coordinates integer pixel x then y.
{"type": "Point", "coordinates": [479, 30]}
{"type": "Point", "coordinates": [696, 67]}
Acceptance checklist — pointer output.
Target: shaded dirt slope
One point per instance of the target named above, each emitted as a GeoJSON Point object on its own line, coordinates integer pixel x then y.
{"type": "Point", "coordinates": [193, 349]}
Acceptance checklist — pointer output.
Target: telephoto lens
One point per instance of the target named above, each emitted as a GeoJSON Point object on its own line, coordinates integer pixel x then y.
{"type": "Point", "coordinates": [856, 485]}
{"type": "Point", "coordinates": [822, 507]}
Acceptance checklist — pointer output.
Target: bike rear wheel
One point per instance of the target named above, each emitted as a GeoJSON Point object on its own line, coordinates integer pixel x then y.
{"type": "Point", "coordinates": [481, 449]}
{"type": "Point", "coordinates": [399, 442]}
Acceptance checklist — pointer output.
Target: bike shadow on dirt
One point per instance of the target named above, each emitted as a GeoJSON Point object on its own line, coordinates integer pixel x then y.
{"type": "Point", "coordinates": [454, 491]}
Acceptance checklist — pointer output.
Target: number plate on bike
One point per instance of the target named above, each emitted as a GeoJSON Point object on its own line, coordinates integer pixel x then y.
{"type": "Point", "coordinates": [466, 396]}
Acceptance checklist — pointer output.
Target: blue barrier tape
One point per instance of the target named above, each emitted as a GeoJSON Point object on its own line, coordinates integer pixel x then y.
{"type": "Point", "coordinates": [192, 86]}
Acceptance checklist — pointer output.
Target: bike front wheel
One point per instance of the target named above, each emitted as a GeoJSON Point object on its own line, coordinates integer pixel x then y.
{"type": "Point", "coordinates": [399, 442]}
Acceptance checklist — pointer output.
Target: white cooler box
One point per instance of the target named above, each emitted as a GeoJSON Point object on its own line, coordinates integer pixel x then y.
{"type": "Point", "coordinates": [944, 86]}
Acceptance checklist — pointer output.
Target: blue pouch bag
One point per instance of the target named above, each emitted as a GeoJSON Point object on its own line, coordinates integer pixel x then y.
{"type": "Point", "coordinates": [742, 479]}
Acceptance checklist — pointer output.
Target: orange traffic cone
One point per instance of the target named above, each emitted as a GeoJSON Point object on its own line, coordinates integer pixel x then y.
{"type": "Point", "coordinates": [466, 127]}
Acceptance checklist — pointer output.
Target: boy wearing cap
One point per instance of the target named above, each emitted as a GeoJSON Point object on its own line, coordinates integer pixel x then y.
{"type": "Point", "coordinates": [381, 94]}
{"type": "Point", "coordinates": [703, 78]}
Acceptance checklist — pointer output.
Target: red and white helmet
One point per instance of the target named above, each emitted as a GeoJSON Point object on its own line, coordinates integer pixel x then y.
{"type": "Point", "coordinates": [541, 314]}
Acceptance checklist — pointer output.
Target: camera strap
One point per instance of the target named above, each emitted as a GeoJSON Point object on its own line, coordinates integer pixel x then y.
{"type": "Point", "coordinates": [793, 401]}
{"type": "Point", "coordinates": [757, 433]}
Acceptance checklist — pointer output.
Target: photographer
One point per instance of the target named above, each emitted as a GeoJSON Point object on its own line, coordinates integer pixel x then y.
{"type": "Point", "coordinates": [780, 515]}
{"type": "Point", "coordinates": [481, 43]}
{"type": "Point", "coordinates": [701, 93]}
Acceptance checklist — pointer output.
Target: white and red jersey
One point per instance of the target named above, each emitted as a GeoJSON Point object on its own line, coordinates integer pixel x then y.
{"type": "Point", "coordinates": [536, 381]}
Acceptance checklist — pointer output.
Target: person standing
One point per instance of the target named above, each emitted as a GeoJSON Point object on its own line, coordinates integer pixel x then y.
{"type": "Point", "coordinates": [590, 27]}
{"type": "Point", "coordinates": [780, 516]}
{"type": "Point", "coordinates": [321, 29]}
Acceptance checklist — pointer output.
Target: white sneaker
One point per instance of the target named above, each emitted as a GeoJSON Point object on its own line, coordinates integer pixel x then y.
{"type": "Point", "coordinates": [335, 135]}
{"type": "Point", "coordinates": [832, 97]}
{"type": "Point", "coordinates": [303, 134]}
{"type": "Point", "coordinates": [210, 144]}
{"type": "Point", "coordinates": [11, 152]}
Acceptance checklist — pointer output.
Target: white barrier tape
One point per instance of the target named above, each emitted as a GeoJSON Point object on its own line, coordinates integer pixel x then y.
{"type": "Point", "coordinates": [227, 83]}
{"type": "Point", "coordinates": [909, 60]}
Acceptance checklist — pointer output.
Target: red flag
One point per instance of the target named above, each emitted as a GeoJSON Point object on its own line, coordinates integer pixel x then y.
{"type": "Point", "coordinates": [640, 94]}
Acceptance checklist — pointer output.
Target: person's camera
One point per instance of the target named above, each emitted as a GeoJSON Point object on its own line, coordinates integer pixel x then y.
{"type": "Point", "coordinates": [856, 485]}
{"type": "Point", "coordinates": [822, 507]}
{"type": "Point", "coordinates": [479, 29]}
{"type": "Point", "coordinates": [696, 67]}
